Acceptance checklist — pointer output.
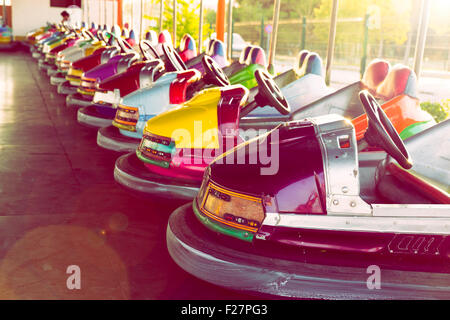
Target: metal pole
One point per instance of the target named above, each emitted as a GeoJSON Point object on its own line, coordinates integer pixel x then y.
{"type": "Point", "coordinates": [303, 44]}
{"type": "Point", "coordinates": [141, 21]}
{"type": "Point", "coordinates": [200, 28]}
{"type": "Point", "coordinates": [174, 23]}
{"type": "Point", "coordinates": [114, 12]}
{"type": "Point", "coordinates": [331, 41]}
{"type": "Point", "coordinates": [230, 30]}
{"type": "Point", "coordinates": [5, 19]}
{"type": "Point", "coordinates": [161, 10]}
{"type": "Point", "coordinates": [273, 39]}
{"type": "Point", "coordinates": [105, 7]}
{"type": "Point", "coordinates": [261, 39]}
{"type": "Point", "coordinates": [99, 13]}
{"type": "Point", "coordinates": [365, 43]}
{"type": "Point", "coordinates": [220, 20]}
{"type": "Point", "coordinates": [132, 16]}
{"type": "Point", "coordinates": [422, 36]}
{"type": "Point", "coordinates": [120, 13]}
{"type": "Point", "coordinates": [88, 18]}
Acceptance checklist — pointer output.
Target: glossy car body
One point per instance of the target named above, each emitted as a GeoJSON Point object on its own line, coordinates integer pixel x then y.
{"type": "Point", "coordinates": [326, 221]}
{"type": "Point", "coordinates": [306, 96]}
{"type": "Point", "coordinates": [165, 94]}
{"type": "Point", "coordinates": [103, 110]}
{"type": "Point", "coordinates": [90, 78]}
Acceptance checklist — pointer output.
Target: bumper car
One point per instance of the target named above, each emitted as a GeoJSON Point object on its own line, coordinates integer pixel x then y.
{"type": "Point", "coordinates": [125, 133]}
{"type": "Point", "coordinates": [49, 64]}
{"type": "Point", "coordinates": [100, 56]}
{"type": "Point", "coordinates": [70, 87]}
{"type": "Point", "coordinates": [6, 38]}
{"type": "Point", "coordinates": [103, 110]}
{"type": "Point", "coordinates": [164, 159]}
{"type": "Point", "coordinates": [116, 65]}
{"type": "Point", "coordinates": [49, 36]}
{"type": "Point", "coordinates": [30, 38]}
{"type": "Point", "coordinates": [52, 47]}
{"type": "Point", "coordinates": [85, 46]}
{"type": "Point", "coordinates": [329, 223]}
{"type": "Point", "coordinates": [82, 48]}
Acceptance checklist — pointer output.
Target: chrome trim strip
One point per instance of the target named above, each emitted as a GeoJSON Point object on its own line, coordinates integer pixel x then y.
{"type": "Point", "coordinates": [411, 210]}
{"type": "Point", "coordinates": [400, 224]}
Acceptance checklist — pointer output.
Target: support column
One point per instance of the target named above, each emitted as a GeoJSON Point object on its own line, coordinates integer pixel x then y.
{"type": "Point", "coordinates": [230, 30]}
{"type": "Point", "coordinates": [273, 38]}
{"type": "Point", "coordinates": [119, 13]}
{"type": "Point", "coordinates": [200, 29]}
{"type": "Point", "coordinates": [220, 20]}
{"type": "Point", "coordinates": [161, 11]}
{"type": "Point", "coordinates": [174, 23]}
{"type": "Point", "coordinates": [421, 36]}
{"type": "Point", "coordinates": [331, 41]}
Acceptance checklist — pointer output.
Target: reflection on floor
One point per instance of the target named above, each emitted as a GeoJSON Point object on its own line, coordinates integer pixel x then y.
{"type": "Point", "coordinates": [60, 206]}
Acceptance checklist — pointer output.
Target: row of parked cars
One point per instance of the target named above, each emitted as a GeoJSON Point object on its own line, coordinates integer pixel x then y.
{"type": "Point", "coordinates": [292, 188]}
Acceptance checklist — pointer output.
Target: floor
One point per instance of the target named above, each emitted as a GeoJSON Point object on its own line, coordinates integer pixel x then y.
{"type": "Point", "coordinates": [60, 206]}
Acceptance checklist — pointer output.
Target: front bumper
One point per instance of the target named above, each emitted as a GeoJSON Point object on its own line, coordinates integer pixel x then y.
{"type": "Point", "coordinates": [110, 138]}
{"type": "Point", "coordinates": [132, 174]}
{"type": "Point", "coordinates": [66, 88]}
{"type": "Point", "coordinates": [76, 100]}
{"type": "Point", "coordinates": [37, 55]}
{"type": "Point", "coordinates": [52, 70]}
{"type": "Point", "coordinates": [57, 78]}
{"type": "Point", "coordinates": [89, 116]}
{"type": "Point", "coordinates": [44, 66]}
{"type": "Point", "coordinates": [241, 266]}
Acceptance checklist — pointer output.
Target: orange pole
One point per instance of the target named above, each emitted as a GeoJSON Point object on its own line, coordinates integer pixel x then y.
{"type": "Point", "coordinates": [119, 13]}
{"type": "Point", "coordinates": [220, 20]}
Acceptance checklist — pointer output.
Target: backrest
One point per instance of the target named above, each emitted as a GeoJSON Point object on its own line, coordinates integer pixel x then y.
{"type": "Point", "coordinates": [300, 59]}
{"type": "Point", "coordinates": [256, 56]}
{"type": "Point", "coordinates": [115, 30]}
{"type": "Point", "coordinates": [399, 80]}
{"type": "Point", "coordinates": [187, 48]}
{"type": "Point", "coordinates": [312, 63]}
{"type": "Point", "coordinates": [244, 54]}
{"type": "Point", "coordinates": [131, 38]}
{"type": "Point", "coordinates": [217, 48]}
{"type": "Point", "coordinates": [165, 37]}
{"type": "Point", "coordinates": [152, 37]}
{"type": "Point", "coordinates": [375, 74]}
{"type": "Point", "coordinates": [125, 33]}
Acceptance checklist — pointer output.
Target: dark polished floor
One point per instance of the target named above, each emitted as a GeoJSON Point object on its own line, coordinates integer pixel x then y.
{"type": "Point", "coordinates": [60, 206]}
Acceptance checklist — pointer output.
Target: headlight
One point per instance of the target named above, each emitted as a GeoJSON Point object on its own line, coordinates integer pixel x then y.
{"type": "Point", "coordinates": [127, 116]}
{"type": "Point", "coordinates": [230, 208]}
{"type": "Point", "coordinates": [156, 150]}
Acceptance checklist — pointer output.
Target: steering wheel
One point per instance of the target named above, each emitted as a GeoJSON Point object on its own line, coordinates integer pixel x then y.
{"type": "Point", "coordinates": [380, 131]}
{"type": "Point", "coordinates": [270, 94]}
{"type": "Point", "coordinates": [148, 51]}
{"type": "Point", "coordinates": [214, 73]}
{"type": "Point", "coordinates": [174, 61]}
{"type": "Point", "coordinates": [124, 46]}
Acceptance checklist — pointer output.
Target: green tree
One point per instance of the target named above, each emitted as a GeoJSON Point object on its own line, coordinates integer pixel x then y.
{"type": "Point", "coordinates": [188, 19]}
{"type": "Point", "coordinates": [394, 22]}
